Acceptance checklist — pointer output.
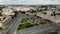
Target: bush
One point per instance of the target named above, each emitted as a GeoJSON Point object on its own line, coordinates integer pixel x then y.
{"type": "Point", "coordinates": [23, 12]}
{"type": "Point", "coordinates": [26, 25]}
{"type": "Point", "coordinates": [24, 20]}
{"type": "Point", "coordinates": [23, 26]}
{"type": "Point", "coordinates": [1, 28]}
{"type": "Point", "coordinates": [16, 12]}
{"type": "Point", "coordinates": [0, 13]}
{"type": "Point", "coordinates": [43, 22]}
{"type": "Point", "coordinates": [44, 13]}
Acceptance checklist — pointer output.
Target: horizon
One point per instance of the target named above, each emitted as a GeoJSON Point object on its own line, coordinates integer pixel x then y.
{"type": "Point", "coordinates": [29, 2]}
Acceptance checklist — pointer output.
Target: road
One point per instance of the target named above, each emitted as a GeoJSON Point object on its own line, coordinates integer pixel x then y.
{"type": "Point", "coordinates": [38, 29]}
{"type": "Point", "coordinates": [15, 23]}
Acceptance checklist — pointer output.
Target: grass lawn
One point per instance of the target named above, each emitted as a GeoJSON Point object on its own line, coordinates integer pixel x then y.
{"type": "Point", "coordinates": [24, 20]}
{"type": "Point", "coordinates": [43, 22]}
{"type": "Point", "coordinates": [26, 25]}
{"type": "Point", "coordinates": [53, 33]}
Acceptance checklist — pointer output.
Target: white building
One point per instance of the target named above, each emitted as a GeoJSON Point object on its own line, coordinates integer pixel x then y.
{"type": "Point", "coordinates": [23, 8]}
{"type": "Point", "coordinates": [7, 11]}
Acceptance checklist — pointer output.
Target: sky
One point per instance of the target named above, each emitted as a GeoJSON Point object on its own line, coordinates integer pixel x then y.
{"type": "Point", "coordinates": [29, 2]}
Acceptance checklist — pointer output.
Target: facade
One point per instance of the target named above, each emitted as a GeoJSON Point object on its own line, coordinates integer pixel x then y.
{"type": "Point", "coordinates": [4, 23]}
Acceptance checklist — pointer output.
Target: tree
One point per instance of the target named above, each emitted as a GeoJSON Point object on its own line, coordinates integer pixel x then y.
{"type": "Point", "coordinates": [37, 9]}
{"type": "Point", "coordinates": [1, 8]}
{"type": "Point", "coordinates": [54, 13]}
{"type": "Point", "coordinates": [32, 10]}
{"type": "Point", "coordinates": [15, 13]}
{"type": "Point", "coordinates": [23, 12]}
{"type": "Point", "coordinates": [0, 13]}
{"type": "Point", "coordinates": [1, 28]}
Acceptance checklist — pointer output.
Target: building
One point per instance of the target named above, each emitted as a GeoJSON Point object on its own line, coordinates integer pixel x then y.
{"type": "Point", "coordinates": [7, 12]}
{"type": "Point", "coordinates": [5, 22]}
{"type": "Point", "coordinates": [47, 17]}
{"type": "Point", "coordinates": [19, 8]}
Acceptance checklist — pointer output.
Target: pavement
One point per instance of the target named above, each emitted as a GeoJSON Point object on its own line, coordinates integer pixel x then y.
{"type": "Point", "coordinates": [0, 31]}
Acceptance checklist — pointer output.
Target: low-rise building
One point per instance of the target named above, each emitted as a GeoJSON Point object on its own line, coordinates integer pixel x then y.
{"type": "Point", "coordinates": [23, 8]}
{"type": "Point", "coordinates": [47, 17]}
{"type": "Point", "coordinates": [7, 12]}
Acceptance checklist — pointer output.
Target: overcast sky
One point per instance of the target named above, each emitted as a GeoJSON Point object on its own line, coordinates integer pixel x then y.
{"type": "Point", "coordinates": [29, 2]}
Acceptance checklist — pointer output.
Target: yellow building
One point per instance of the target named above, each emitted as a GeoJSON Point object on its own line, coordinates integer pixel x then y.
{"type": "Point", "coordinates": [5, 22]}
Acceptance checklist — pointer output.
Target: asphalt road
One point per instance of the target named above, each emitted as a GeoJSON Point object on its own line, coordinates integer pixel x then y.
{"type": "Point", "coordinates": [33, 30]}
{"type": "Point", "coordinates": [15, 23]}
{"type": "Point", "coordinates": [38, 29]}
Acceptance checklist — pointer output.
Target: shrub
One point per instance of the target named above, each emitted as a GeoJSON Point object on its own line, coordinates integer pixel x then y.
{"type": "Point", "coordinates": [26, 25]}
{"type": "Point", "coordinates": [1, 28]}
{"type": "Point", "coordinates": [43, 22]}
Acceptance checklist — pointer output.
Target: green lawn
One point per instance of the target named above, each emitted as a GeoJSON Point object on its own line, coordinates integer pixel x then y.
{"type": "Point", "coordinates": [24, 20]}
{"type": "Point", "coordinates": [43, 22]}
{"type": "Point", "coordinates": [26, 25]}
{"type": "Point", "coordinates": [53, 33]}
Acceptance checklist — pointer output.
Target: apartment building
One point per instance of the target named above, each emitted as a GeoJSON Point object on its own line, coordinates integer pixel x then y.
{"type": "Point", "coordinates": [6, 21]}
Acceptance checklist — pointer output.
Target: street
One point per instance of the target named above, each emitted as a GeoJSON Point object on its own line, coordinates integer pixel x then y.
{"type": "Point", "coordinates": [15, 23]}
{"type": "Point", "coordinates": [38, 29]}
{"type": "Point", "coordinates": [33, 30]}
